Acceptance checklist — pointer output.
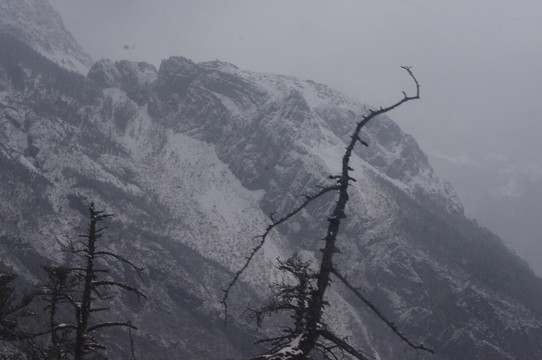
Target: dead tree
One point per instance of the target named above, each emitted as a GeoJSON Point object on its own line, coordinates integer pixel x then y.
{"type": "Point", "coordinates": [308, 335]}
{"type": "Point", "coordinates": [59, 291]}
{"type": "Point", "coordinates": [82, 290]}
{"type": "Point", "coordinates": [95, 288]}
{"type": "Point", "coordinates": [293, 296]}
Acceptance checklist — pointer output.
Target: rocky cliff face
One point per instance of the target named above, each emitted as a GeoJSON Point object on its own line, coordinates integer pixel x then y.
{"type": "Point", "coordinates": [193, 157]}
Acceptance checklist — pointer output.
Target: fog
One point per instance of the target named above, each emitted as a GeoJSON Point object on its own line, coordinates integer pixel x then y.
{"type": "Point", "coordinates": [479, 63]}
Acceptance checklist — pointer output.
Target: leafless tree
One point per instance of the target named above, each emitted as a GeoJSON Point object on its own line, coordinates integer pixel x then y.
{"type": "Point", "coordinates": [60, 290]}
{"type": "Point", "coordinates": [307, 299]}
{"type": "Point", "coordinates": [96, 286]}
{"type": "Point", "coordinates": [82, 290]}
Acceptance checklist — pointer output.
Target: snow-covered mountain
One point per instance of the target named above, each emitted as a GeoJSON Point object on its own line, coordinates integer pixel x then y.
{"type": "Point", "coordinates": [37, 24]}
{"type": "Point", "coordinates": [193, 157]}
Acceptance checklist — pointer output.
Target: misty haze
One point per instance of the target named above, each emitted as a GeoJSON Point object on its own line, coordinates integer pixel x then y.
{"type": "Point", "coordinates": [270, 179]}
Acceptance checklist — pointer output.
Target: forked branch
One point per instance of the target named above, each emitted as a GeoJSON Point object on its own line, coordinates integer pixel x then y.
{"type": "Point", "coordinates": [263, 238]}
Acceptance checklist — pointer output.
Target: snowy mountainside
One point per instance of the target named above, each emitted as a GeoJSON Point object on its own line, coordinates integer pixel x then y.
{"type": "Point", "coordinates": [37, 24]}
{"type": "Point", "coordinates": [192, 159]}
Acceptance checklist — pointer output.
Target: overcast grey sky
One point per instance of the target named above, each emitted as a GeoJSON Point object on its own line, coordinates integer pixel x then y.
{"type": "Point", "coordinates": [479, 62]}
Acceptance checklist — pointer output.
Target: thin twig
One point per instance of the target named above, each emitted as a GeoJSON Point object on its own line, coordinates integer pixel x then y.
{"type": "Point", "coordinates": [378, 313]}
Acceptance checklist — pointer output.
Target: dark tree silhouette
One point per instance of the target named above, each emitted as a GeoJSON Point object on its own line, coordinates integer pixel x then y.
{"type": "Point", "coordinates": [306, 299]}
{"type": "Point", "coordinates": [9, 308]}
{"type": "Point", "coordinates": [60, 290]}
{"type": "Point", "coordinates": [95, 287]}
{"type": "Point", "coordinates": [294, 297]}
{"type": "Point", "coordinates": [82, 290]}
{"type": "Point", "coordinates": [13, 309]}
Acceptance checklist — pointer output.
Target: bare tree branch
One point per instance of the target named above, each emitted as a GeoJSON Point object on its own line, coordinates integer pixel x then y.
{"type": "Point", "coordinates": [378, 313]}
{"type": "Point", "coordinates": [121, 259]}
{"type": "Point", "coordinates": [55, 328]}
{"type": "Point", "coordinates": [263, 237]}
{"type": "Point", "coordinates": [111, 324]}
{"type": "Point", "coordinates": [121, 285]}
{"type": "Point", "coordinates": [343, 344]}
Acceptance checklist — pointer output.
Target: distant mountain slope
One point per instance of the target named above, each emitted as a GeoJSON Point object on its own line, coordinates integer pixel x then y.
{"type": "Point", "coordinates": [193, 157]}
{"type": "Point", "coordinates": [36, 23]}
{"type": "Point", "coordinates": [507, 197]}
